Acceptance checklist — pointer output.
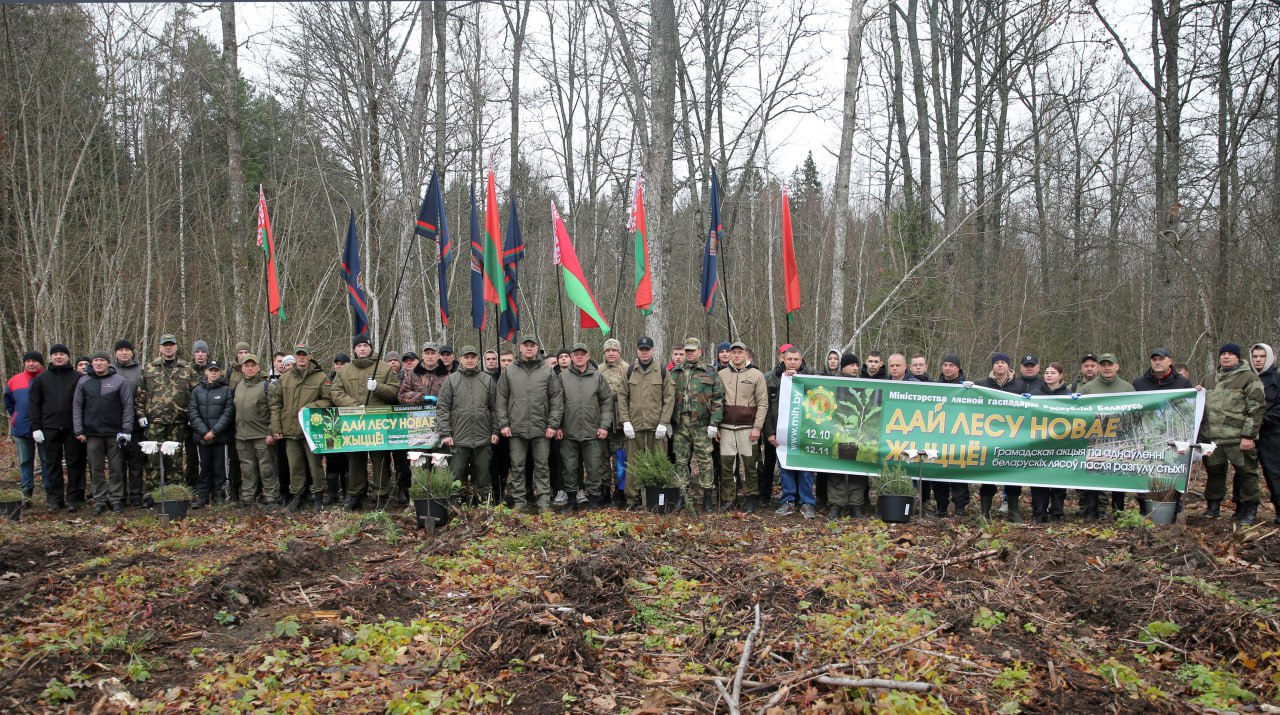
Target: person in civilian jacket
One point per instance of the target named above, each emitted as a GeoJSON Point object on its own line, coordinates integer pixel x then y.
{"type": "Point", "coordinates": [52, 394]}
{"type": "Point", "coordinates": [212, 415]}
{"type": "Point", "coordinates": [102, 418]}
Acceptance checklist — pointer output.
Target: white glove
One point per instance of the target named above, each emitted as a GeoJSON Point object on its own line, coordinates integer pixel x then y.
{"type": "Point", "coordinates": [170, 448]}
{"type": "Point", "coordinates": [629, 430]}
{"type": "Point", "coordinates": [142, 422]}
{"type": "Point", "coordinates": [967, 383]}
{"type": "Point", "coordinates": [38, 436]}
{"type": "Point", "coordinates": [712, 431]}
{"type": "Point", "coordinates": [372, 384]}
{"type": "Point", "coordinates": [149, 446]}
{"type": "Point", "coordinates": [662, 431]}
{"type": "Point", "coordinates": [122, 437]}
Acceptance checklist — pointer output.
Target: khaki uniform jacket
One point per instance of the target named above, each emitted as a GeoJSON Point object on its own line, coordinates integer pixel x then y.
{"type": "Point", "coordinates": [1097, 386]}
{"type": "Point", "coordinates": [588, 403]}
{"type": "Point", "coordinates": [746, 399]}
{"type": "Point", "coordinates": [253, 407]}
{"type": "Point", "coordinates": [1233, 407]}
{"type": "Point", "coordinates": [295, 391]}
{"type": "Point", "coordinates": [530, 399]}
{"type": "Point", "coordinates": [350, 387]}
{"type": "Point", "coordinates": [649, 397]}
{"type": "Point", "coordinates": [464, 410]}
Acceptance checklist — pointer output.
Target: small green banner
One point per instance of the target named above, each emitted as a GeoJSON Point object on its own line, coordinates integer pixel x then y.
{"type": "Point", "coordinates": [331, 430]}
{"type": "Point", "coordinates": [984, 436]}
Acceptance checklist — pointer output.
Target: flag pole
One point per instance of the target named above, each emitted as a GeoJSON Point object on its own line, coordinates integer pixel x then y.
{"type": "Point", "coordinates": [724, 284]}
{"type": "Point", "coordinates": [266, 294]}
{"type": "Point", "coordinates": [395, 303]}
{"type": "Point", "coordinates": [560, 306]}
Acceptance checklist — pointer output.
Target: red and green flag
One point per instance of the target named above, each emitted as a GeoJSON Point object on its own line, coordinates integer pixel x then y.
{"type": "Point", "coordinates": [494, 280]}
{"type": "Point", "coordinates": [790, 272]}
{"type": "Point", "coordinates": [267, 243]}
{"type": "Point", "coordinates": [640, 236]}
{"type": "Point", "coordinates": [575, 281]}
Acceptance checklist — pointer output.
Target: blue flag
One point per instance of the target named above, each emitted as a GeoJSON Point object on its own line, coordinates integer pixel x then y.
{"type": "Point", "coordinates": [512, 252]}
{"type": "Point", "coordinates": [351, 275]}
{"type": "Point", "coordinates": [431, 225]}
{"type": "Point", "coordinates": [477, 269]}
{"type": "Point", "coordinates": [714, 234]}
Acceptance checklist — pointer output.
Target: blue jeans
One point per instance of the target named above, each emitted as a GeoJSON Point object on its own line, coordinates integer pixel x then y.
{"type": "Point", "coordinates": [27, 463]}
{"type": "Point", "coordinates": [789, 487]}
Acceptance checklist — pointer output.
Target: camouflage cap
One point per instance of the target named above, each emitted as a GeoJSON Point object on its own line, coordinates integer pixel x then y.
{"type": "Point", "coordinates": [737, 344]}
{"type": "Point", "coordinates": [612, 344]}
{"type": "Point", "coordinates": [168, 338]}
{"type": "Point", "coordinates": [250, 358]}
{"type": "Point", "coordinates": [432, 346]}
{"type": "Point", "coordinates": [529, 338]}
{"type": "Point", "coordinates": [1108, 357]}
{"type": "Point", "coordinates": [692, 344]}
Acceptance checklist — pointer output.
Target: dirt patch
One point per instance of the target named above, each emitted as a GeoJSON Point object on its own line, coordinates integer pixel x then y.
{"type": "Point", "coordinates": [393, 594]}
{"type": "Point", "coordinates": [251, 579]}
{"type": "Point", "coordinates": [597, 583]}
{"type": "Point", "coordinates": [539, 634]}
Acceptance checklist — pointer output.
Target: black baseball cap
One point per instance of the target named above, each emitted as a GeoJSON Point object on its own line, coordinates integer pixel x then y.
{"type": "Point", "coordinates": [1089, 356]}
{"type": "Point", "coordinates": [645, 342]}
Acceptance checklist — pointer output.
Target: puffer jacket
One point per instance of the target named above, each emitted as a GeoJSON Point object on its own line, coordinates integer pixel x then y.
{"type": "Point", "coordinates": [1234, 407]}
{"type": "Point", "coordinates": [103, 405]}
{"type": "Point", "coordinates": [1173, 381]}
{"type": "Point", "coordinates": [530, 399]}
{"type": "Point", "coordinates": [465, 408]}
{"type": "Point", "coordinates": [350, 384]}
{"type": "Point", "coordinates": [295, 391]}
{"type": "Point", "coordinates": [648, 398]}
{"type": "Point", "coordinates": [213, 410]}
{"type": "Point", "coordinates": [588, 403]}
{"type": "Point", "coordinates": [252, 399]}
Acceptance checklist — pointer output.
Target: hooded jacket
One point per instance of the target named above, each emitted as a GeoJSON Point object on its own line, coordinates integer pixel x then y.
{"type": "Point", "coordinates": [1234, 407]}
{"type": "Point", "coordinates": [103, 405]}
{"type": "Point", "coordinates": [465, 408]}
{"type": "Point", "coordinates": [52, 393]}
{"type": "Point", "coordinates": [1011, 385]}
{"type": "Point", "coordinates": [828, 372]}
{"type": "Point", "coordinates": [253, 407]}
{"type": "Point", "coordinates": [212, 410]}
{"type": "Point", "coordinates": [530, 399]}
{"type": "Point", "coordinates": [1270, 377]}
{"type": "Point", "coordinates": [295, 391]}
{"type": "Point", "coordinates": [17, 402]}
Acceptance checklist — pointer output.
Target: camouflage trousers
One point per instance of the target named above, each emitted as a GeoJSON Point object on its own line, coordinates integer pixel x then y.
{"type": "Point", "coordinates": [1247, 490]}
{"type": "Point", "coordinates": [693, 449]}
{"type": "Point", "coordinates": [173, 471]}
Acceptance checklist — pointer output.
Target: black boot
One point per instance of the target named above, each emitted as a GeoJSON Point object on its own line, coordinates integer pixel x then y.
{"type": "Point", "coordinates": [833, 512]}
{"type": "Point", "coordinates": [986, 504]}
{"type": "Point", "coordinates": [1247, 514]}
{"type": "Point", "coordinates": [855, 512]}
{"type": "Point", "coordinates": [570, 504]}
{"type": "Point", "coordinates": [1213, 508]}
{"type": "Point", "coordinates": [752, 504]}
{"type": "Point", "coordinates": [708, 501]}
{"type": "Point", "coordinates": [1014, 516]}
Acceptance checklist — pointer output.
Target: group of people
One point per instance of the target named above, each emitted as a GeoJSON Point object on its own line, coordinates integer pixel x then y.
{"type": "Point", "coordinates": [542, 431]}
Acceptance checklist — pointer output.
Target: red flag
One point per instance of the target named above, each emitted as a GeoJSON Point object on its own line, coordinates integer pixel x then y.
{"type": "Point", "coordinates": [790, 272]}
{"type": "Point", "coordinates": [640, 240]}
{"type": "Point", "coordinates": [575, 281]}
{"type": "Point", "coordinates": [494, 281]}
{"type": "Point", "coordinates": [268, 245]}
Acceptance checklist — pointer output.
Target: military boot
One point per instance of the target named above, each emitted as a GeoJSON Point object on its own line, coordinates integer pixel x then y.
{"type": "Point", "coordinates": [752, 504]}
{"type": "Point", "coordinates": [1247, 514]}
{"type": "Point", "coordinates": [855, 512]}
{"type": "Point", "coordinates": [570, 503]}
{"type": "Point", "coordinates": [1213, 508]}
{"type": "Point", "coordinates": [1015, 516]}
{"type": "Point", "coordinates": [331, 492]}
{"type": "Point", "coordinates": [986, 504]}
{"type": "Point", "coordinates": [708, 501]}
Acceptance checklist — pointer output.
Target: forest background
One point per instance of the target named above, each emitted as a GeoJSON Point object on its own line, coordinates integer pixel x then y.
{"type": "Point", "coordinates": [1039, 176]}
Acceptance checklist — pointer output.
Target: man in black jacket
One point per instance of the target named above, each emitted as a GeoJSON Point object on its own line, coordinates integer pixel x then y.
{"type": "Point", "coordinates": [52, 393]}
{"type": "Point", "coordinates": [1263, 360]}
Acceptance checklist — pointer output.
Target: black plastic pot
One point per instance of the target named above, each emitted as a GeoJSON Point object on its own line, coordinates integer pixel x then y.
{"type": "Point", "coordinates": [434, 509]}
{"type": "Point", "coordinates": [894, 509]}
{"type": "Point", "coordinates": [176, 509]}
{"type": "Point", "coordinates": [661, 500]}
{"type": "Point", "coordinates": [11, 509]}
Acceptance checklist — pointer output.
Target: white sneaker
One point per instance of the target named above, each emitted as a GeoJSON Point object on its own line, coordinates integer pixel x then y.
{"type": "Point", "coordinates": [582, 497]}
{"type": "Point", "coordinates": [787, 509]}
{"type": "Point", "coordinates": [807, 511]}
{"type": "Point", "coordinates": [562, 499]}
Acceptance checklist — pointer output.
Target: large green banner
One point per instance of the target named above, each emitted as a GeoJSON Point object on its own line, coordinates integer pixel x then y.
{"type": "Point", "coordinates": [368, 429]}
{"type": "Point", "coordinates": [1115, 442]}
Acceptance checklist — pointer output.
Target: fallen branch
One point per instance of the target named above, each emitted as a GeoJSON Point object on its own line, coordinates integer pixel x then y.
{"type": "Point", "coordinates": [912, 685]}
{"type": "Point", "coordinates": [742, 662]}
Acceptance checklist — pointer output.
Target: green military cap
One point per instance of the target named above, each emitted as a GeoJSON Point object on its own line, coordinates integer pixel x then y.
{"type": "Point", "coordinates": [529, 338]}
{"type": "Point", "coordinates": [580, 347]}
{"type": "Point", "coordinates": [301, 349]}
{"type": "Point", "coordinates": [1108, 357]}
{"type": "Point", "coordinates": [168, 338]}
{"type": "Point", "coordinates": [469, 350]}
{"type": "Point", "coordinates": [250, 358]}
{"type": "Point", "coordinates": [692, 344]}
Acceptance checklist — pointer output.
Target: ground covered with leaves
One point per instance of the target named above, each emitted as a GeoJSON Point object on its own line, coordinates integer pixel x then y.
{"type": "Point", "coordinates": [613, 612]}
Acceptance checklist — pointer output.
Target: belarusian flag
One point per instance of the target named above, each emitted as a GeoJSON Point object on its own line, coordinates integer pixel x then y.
{"type": "Point", "coordinates": [640, 234]}
{"type": "Point", "coordinates": [494, 287]}
{"type": "Point", "coordinates": [268, 245]}
{"type": "Point", "coordinates": [575, 281]}
{"type": "Point", "coordinates": [790, 272]}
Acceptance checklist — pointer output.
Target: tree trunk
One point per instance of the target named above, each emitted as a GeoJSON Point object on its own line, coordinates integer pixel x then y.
{"type": "Point", "coordinates": [235, 154]}
{"type": "Point", "coordinates": [663, 49]}
{"type": "Point", "coordinates": [844, 165]}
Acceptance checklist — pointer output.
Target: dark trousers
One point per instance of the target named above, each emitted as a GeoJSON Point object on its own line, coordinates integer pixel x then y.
{"type": "Point", "coordinates": [1012, 492]}
{"type": "Point", "coordinates": [1269, 460]}
{"type": "Point", "coordinates": [1048, 501]}
{"type": "Point", "coordinates": [499, 464]}
{"type": "Point", "coordinates": [135, 463]}
{"type": "Point", "coordinates": [212, 470]}
{"type": "Point", "coordinates": [946, 494]}
{"type": "Point", "coordinates": [768, 465]}
{"type": "Point", "coordinates": [400, 464]}
{"type": "Point", "coordinates": [282, 469]}
{"type": "Point", "coordinates": [62, 444]}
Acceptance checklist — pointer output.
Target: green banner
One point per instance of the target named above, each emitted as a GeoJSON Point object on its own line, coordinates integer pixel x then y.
{"type": "Point", "coordinates": [369, 429]}
{"type": "Point", "coordinates": [1115, 442]}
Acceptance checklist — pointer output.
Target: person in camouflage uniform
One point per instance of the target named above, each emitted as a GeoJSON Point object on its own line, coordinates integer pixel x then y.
{"type": "Point", "coordinates": [699, 408]}
{"type": "Point", "coordinates": [614, 370]}
{"type": "Point", "coordinates": [1233, 413]}
{"type": "Point", "coordinates": [163, 394]}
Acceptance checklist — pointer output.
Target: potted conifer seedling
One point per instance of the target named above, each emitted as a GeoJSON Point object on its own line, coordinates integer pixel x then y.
{"type": "Point", "coordinates": [655, 473]}
{"type": "Point", "coordinates": [895, 493]}
{"type": "Point", "coordinates": [172, 500]}
{"type": "Point", "coordinates": [11, 503]}
{"type": "Point", "coordinates": [433, 490]}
